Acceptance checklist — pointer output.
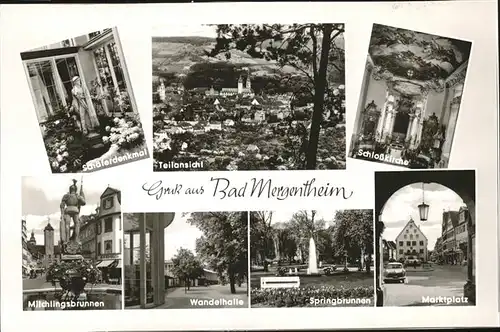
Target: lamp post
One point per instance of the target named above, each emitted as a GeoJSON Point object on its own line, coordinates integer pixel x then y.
{"type": "Point", "coordinates": [423, 209]}
{"type": "Point", "coordinates": [345, 257]}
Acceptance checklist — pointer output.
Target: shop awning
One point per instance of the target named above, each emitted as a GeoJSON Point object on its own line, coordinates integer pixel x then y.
{"type": "Point", "coordinates": [118, 264]}
{"type": "Point", "coordinates": [106, 263]}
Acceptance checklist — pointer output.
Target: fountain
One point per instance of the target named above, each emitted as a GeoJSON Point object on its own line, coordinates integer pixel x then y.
{"type": "Point", "coordinates": [313, 264]}
{"type": "Point", "coordinates": [72, 271]}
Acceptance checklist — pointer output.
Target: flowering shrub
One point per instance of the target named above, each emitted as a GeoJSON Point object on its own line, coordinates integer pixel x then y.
{"type": "Point", "coordinates": [126, 133]}
{"type": "Point", "coordinates": [61, 159]}
{"type": "Point", "coordinates": [65, 272]}
{"type": "Point", "coordinates": [63, 143]}
{"type": "Point", "coordinates": [300, 297]}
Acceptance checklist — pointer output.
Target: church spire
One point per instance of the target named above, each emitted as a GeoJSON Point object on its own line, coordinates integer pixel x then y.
{"type": "Point", "coordinates": [32, 238]}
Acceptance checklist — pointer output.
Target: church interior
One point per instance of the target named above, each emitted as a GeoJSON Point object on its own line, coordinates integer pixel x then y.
{"type": "Point", "coordinates": [410, 96]}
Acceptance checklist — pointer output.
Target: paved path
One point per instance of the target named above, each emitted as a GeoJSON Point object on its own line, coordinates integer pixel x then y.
{"type": "Point", "coordinates": [178, 298]}
{"type": "Point", "coordinates": [444, 280]}
{"type": "Point", "coordinates": [111, 300]}
{"type": "Point", "coordinates": [41, 282]}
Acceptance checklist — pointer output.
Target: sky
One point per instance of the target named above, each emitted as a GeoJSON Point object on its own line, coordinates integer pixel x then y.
{"type": "Point", "coordinates": [41, 197]}
{"type": "Point", "coordinates": [285, 216]}
{"type": "Point", "coordinates": [179, 234]}
{"type": "Point", "coordinates": [197, 30]}
{"type": "Point", "coordinates": [403, 204]}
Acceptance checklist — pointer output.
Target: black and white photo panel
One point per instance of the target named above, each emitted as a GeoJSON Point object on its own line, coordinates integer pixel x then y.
{"type": "Point", "coordinates": [410, 98]}
{"type": "Point", "coordinates": [196, 260]}
{"type": "Point", "coordinates": [425, 238]}
{"type": "Point", "coordinates": [71, 243]}
{"type": "Point", "coordinates": [311, 258]}
{"type": "Point", "coordinates": [249, 97]}
{"type": "Point", "coordinates": [84, 103]}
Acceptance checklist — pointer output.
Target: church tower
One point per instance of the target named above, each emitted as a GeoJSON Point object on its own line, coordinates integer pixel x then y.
{"type": "Point", "coordinates": [162, 92]}
{"type": "Point", "coordinates": [248, 82]}
{"type": "Point", "coordinates": [48, 242]}
{"type": "Point", "coordinates": [240, 85]}
{"type": "Point", "coordinates": [32, 240]}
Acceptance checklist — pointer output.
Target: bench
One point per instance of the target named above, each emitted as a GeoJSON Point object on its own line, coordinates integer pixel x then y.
{"type": "Point", "coordinates": [279, 282]}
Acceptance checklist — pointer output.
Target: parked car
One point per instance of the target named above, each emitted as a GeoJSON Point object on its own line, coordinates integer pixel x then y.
{"type": "Point", "coordinates": [394, 272]}
{"type": "Point", "coordinates": [329, 269]}
{"type": "Point", "coordinates": [412, 261]}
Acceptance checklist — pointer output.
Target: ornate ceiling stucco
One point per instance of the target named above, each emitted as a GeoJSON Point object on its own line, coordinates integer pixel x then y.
{"type": "Point", "coordinates": [412, 59]}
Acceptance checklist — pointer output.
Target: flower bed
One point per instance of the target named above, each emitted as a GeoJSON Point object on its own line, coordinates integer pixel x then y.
{"type": "Point", "coordinates": [64, 144]}
{"type": "Point", "coordinates": [300, 297]}
{"type": "Point", "coordinates": [126, 133]}
{"type": "Point", "coordinates": [72, 275]}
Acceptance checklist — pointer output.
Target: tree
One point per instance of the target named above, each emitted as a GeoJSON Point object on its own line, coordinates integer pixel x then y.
{"type": "Point", "coordinates": [186, 267]}
{"type": "Point", "coordinates": [261, 237]}
{"type": "Point", "coordinates": [354, 234]}
{"type": "Point", "coordinates": [224, 244]}
{"type": "Point", "coordinates": [324, 244]}
{"type": "Point", "coordinates": [311, 49]}
{"type": "Point", "coordinates": [303, 226]}
{"type": "Point", "coordinates": [287, 244]}
{"type": "Point", "coordinates": [212, 74]}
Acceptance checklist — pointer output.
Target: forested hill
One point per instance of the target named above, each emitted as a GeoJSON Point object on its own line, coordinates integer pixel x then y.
{"type": "Point", "coordinates": [178, 55]}
{"type": "Point", "coordinates": [193, 40]}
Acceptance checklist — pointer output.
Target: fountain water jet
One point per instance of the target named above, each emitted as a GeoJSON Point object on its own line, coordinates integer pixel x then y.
{"type": "Point", "coordinates": [313, 264]}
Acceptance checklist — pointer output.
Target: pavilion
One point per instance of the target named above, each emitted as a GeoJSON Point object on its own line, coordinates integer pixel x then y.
{"type": "Point", "coordinates": [151, 230]}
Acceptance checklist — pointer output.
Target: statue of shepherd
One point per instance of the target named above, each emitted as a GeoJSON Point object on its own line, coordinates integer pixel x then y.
{"type": "Point", "coordinates": [70, 211]}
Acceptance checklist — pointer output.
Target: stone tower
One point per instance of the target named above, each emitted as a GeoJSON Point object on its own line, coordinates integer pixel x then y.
{"type": "Point", "coordinates": [32, 240]}
{"type": "Point", "coordinates": [248, 82]}
{"type": "Point", "coordinates": [162, 92]}
{"type": "Point", "coordinates": [240, 85]}
{"type": "Point", "coordinates": [48, 241]}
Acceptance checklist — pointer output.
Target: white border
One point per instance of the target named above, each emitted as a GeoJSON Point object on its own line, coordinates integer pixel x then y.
{"type": "Point", "coordinates": [26, 26]}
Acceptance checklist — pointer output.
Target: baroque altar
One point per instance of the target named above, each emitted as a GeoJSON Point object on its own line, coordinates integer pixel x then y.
{"type": "Point", "coordinates": [398, 123]}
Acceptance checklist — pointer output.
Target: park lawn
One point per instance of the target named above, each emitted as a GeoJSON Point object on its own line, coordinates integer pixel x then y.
{"type": "Point", "coordinates": [347, 280]}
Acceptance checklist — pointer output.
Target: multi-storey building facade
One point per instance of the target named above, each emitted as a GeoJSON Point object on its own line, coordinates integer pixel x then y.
{"type": "Point", "coordinates": [462, 234]}
{"type": "Point", "coordinates": [411, 243]}
{"type": "Point", "coordinates": [390, 250]}
{"type": "Point", "coordinates": [27, 259]}
{"type": "Point", "coordinates": [88, 235]}
{"type": "Point", "coordinates": [109, 234]}
{"type": "Point", "coordinates": [454, 236]}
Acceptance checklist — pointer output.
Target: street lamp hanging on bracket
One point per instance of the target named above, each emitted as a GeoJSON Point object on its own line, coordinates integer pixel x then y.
{"type": "Point", "coordinates": [423, 209]}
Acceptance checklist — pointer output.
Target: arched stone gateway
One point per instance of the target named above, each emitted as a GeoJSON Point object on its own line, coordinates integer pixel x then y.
{"type": "Point", "coordinates": [462, 182]}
